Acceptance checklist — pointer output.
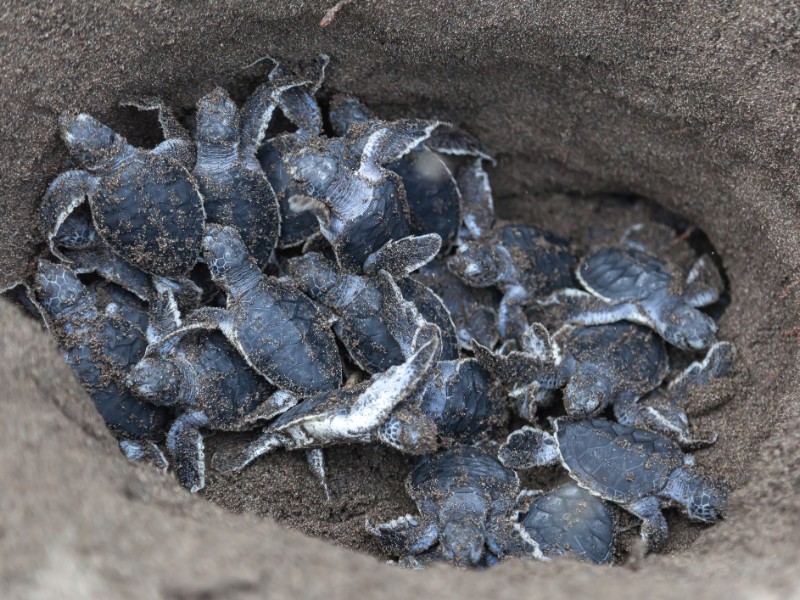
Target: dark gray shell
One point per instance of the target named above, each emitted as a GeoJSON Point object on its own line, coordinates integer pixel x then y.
{"type": "Point", "coordinates": [285, 337]}
{"type": "Point", "coordinates": [631, 356]}
{"type": "Point", "coordinates": [464, 468]}
{"type": "Point", "coordinates": [229, 389]}
{"type": "Point", "coordinates": [627, 274]}
{"type": "Point", "coordinates": [570, 520]}
{"type": "Point", "coordinates": [113, 299]}
{"type": "Point", "coordinates": [544, 260]}
{"type": "Point", "coordinates": [296, 225]}
{"type": "Point", "coordinates": [434, 200]}
{"type": "Point", "coordinates": [433, 310]}
{"type": "Point", "coordinates": [241, 197]}
{"type": "Point", "coordinates": [471, 309]}
{"type": "Point", "coordinates": [150, 212]}
{"type": "Point", "coordinates": [618, 463]}
{"type": "Point", "coordinates": [462, 402]}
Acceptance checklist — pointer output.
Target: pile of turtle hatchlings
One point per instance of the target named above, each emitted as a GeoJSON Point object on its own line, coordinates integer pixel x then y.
{"type": "Point", "coordinates": [354, 287]}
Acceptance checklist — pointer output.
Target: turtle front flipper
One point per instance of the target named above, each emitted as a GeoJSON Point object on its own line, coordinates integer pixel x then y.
{"type": "Point", "coordinates": [654, 529]}
{"type": "Point", "coordinates": [405, 536]}
{"type": "Point", "coordinates": [718, 362]}
{"type": "Point", "coordinates": [507, 538]}
{"type": "Point", "coordinates": [704, 283]}
{"type": "Point", "coordinates": [659, 413]}
{"type": "Point", "coordinates": [228, 462]}
{"type": "Point", "coordinates": [401, 257]}
{"type": "Point", "coordinates": [64, 195]}
{"type": "Point", "coordinates": [529, 447]}
{"type": "Point", "coordinates": [185, 446]}
{"type": "Point", "coordinates": [477, 204]}
{"type": "Point", "coordinates": [258, 109]}
{"type": "Point", "coordinates": [177, 141]}
{"type": "Point", "coordinates": [298, 103]}
{"type": "Point", "coordinates": [385, 142]}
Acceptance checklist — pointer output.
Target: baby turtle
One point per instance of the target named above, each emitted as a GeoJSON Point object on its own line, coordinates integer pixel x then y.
{"type": "Point", "coordinates": [202, 377]}
{"type": "Point", "coordinates": [437, 202]}
{"type": "Point", "coordinates": [361, 305]}
{"type": "Point", "coordinates": [237, 193]}
{"type": "Point", "coordinates": [345, 416]}
{"type": "Point", "coordinates": [460, 402]}
{"type": "Point", "coordinates": [525, 262]}
{"type": "Point", "coordinates": [142, 201]}
{"type": "Point", "coordinates": [101, 348]}
{"type": "Point", "coordinates": [280, 332]}
{"type": "Point", "coordinates": [628, 284]}
{"type": "Point", "coordinates": [640, 470]}
{"type": "Point", "coordinates": [298, 105]}
{"type": "Point", "coordinates": [571, 521]}
{"type": "Point", "coordinates": [471, 309]}
{"type": "Point", "coordinates": [465, 498]}
{"type": "Point", "coordinates": [360, 205]}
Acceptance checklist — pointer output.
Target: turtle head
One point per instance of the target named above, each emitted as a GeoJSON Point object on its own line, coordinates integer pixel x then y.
{"type": "Point", "coordinates": [157, 380]}
{"type": "Point", "coordinates": [410, 431]}
{"type": "Point", "coordinates": [477, 264]}
{"type": "Point", "coordinates": [77, 232]}
{"type": "Point", "coordinates": [217, 119]}
{"type": "Point", "coordinates": [462, 534]}
{"type": "Point", "coordinates": [226, 255]}
{"type": "Point", "coordinates": [588, 391]}
{"type": "Point", "coordinates": [689, 329]}
{"type": "Point", "coordinates": [704, 499]}
{"type": "Point", "coordinates": [88, 140]}
{"type": "Point", "coordinates": [58, 289]}
{"type": "Point", "coordinates": [315, 274]}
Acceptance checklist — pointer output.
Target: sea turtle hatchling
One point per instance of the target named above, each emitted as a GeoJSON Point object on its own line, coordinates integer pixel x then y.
{"type": "Point", "coordinates": [301, 109]}
{"type": "Point", "coordinates": [628, 284]}
{"type": "Point", "coordinates": [571, 521]}
{"type": "Point", "coordinates": [640, 470]}
{"type": "Point", "coordinates": [359, 203]}
{"type": "Point", "coordinates": [235, 189]}
{"type": "Point", "coordinates": [101, 348]}
{"type": "Point", "coordinates": [200, 375]}
{"type": "Point", "coordinates": [525, 262]}
{"type": "Point", "coordinates": [438, 202]}
{"type": "Point", "coordinates": [145, 204]}
{"type": "Point", "coordinates": [347, 415]}
{"type": "Point", "coordinates": [280, 332]}
{"type": "Point", "coordinates": [465, 498]}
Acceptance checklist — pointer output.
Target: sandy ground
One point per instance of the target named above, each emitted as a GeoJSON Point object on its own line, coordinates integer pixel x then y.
{"type": "Point", "coordinates": [689, 105]}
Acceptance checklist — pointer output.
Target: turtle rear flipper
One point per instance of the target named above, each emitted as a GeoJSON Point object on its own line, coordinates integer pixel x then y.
{"type": "Point", "coordinates": [405, 536]}
{"type": "Point", "coordinates": [654, 529]}
{"type": "Point", "coordinates": [185, 445]}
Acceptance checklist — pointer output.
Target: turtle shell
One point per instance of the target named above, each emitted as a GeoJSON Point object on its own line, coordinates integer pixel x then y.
{"type": "Point", "coordinates": [627, 274]}
{"type": "Point", "coordinates": [285, 337]}
{"type": "Point", "coordinates": [230, 388]}
{"type": "Point", "coordinates": [296, 225]}
{"type": "Point", "coordinates": [459, 398]}
{"type": "Point", "coordinates": [241, 197]}
{"type": "Point", "coordinates": [544, 260]}
{"type": "Point", "coordinates": [150, 212]}
{"type": "Point", "coordinates": [632, 356]}
{"type": "Point", "coordinates": [570, 520]}
{"type": "Point", "coordinates": [464, 468]}
{"type": "Point", "coordinates": [471, 309]}
{"type": "Point", "coordinates": [617, 462]}
{"type": "Point", "coordinates": [434, 200]}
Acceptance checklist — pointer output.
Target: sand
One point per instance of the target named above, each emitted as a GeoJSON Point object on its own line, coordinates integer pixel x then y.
{"type": "Point", "coordinates": [690, 105]}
